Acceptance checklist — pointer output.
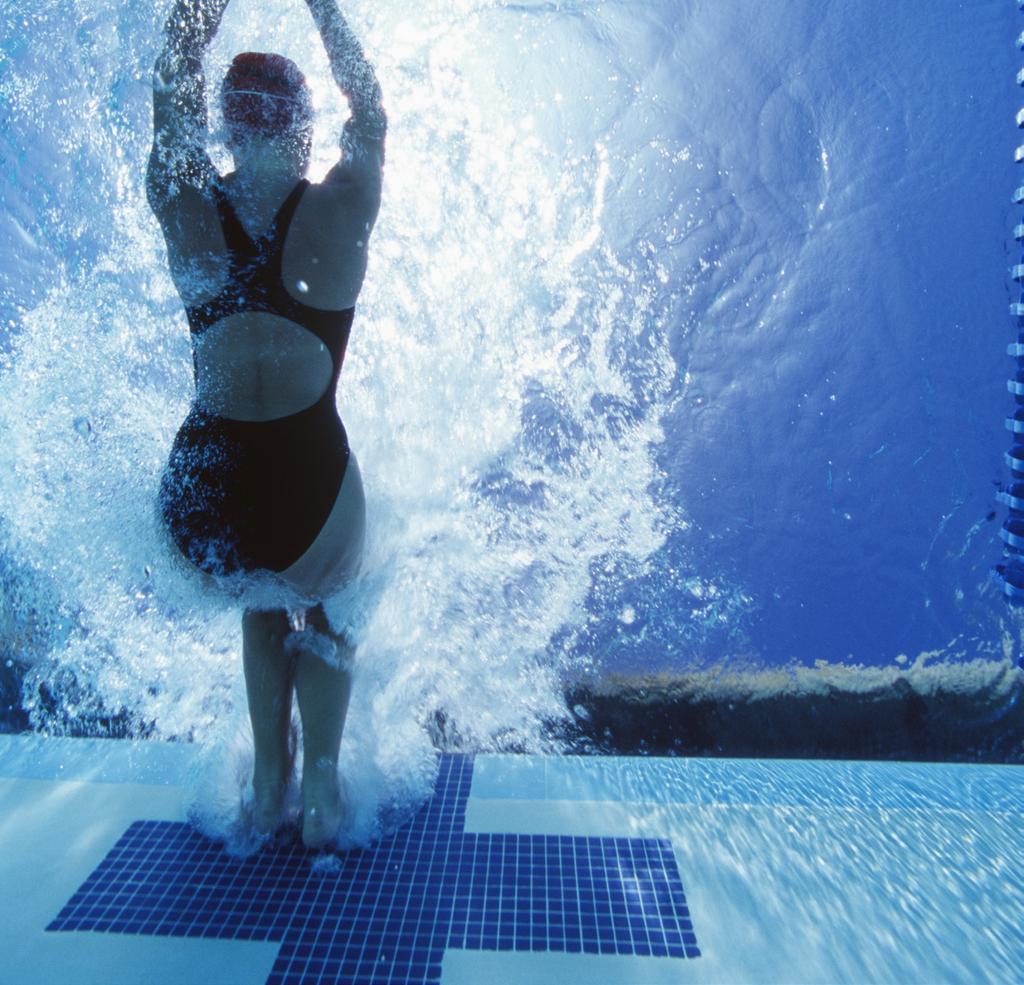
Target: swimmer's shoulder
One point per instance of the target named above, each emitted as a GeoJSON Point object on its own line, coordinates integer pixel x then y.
{"type": "Point", "coordinates": [359, 172]}
{"type": "Point", "coordinates": [349, 194]}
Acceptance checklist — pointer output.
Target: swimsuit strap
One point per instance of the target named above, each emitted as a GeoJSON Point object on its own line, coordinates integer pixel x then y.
{"type": "Point", "coordinates": [282, 220]}
{"type": "Point", "coordinates": [238, 240]}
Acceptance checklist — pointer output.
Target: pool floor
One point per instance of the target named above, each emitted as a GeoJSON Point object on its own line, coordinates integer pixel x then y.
{"type": "Point", "coordinates": [528, 869]}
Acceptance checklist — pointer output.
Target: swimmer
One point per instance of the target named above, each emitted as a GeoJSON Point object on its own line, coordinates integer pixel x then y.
{"type": "Point", "coordinates": [260, 478]}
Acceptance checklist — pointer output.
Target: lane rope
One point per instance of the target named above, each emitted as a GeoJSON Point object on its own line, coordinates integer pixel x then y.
{"type": "Point", "coordinates": [1011, 571]}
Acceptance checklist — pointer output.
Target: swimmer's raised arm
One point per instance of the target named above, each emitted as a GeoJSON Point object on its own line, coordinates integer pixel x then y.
{"type": "Point", "coordinates": [351, 70]}
{"type": "Point", "coordinates": [179, 100]}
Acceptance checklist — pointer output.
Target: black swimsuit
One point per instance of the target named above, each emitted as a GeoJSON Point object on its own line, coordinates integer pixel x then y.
{"type": "Point", "coordinates": [246, 495]}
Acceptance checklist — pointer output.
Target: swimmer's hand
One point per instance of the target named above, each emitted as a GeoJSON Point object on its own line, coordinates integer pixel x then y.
{"type": "Point", "coordinates": [191, 26]}
{"type": "Point", "coordinates": [352, 71]}
{"type": "Point", "coordinates": [179, 102]}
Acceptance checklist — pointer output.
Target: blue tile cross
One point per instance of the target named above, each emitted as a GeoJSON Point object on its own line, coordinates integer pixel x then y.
{"type": "Point", "coordinates": [386, 914]}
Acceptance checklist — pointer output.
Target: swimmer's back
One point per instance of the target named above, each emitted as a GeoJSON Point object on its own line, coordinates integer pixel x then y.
{"type": "Point", "coordinates": [254, 366]}
{"type": "Point", "coordinates": [325, 251]}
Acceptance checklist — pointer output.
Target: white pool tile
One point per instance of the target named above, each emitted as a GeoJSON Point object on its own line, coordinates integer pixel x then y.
{"type": "Point", "coordinates": [792, 871]}
{"type": "Point", "coordinates": [750, 782]}
{"type": "Point", "coordinates": [552, 968]}
{"type": "Point", "coordinates": [802, 894]}
{"type": "Point", "coordinates": [36, 757]}
{"type": "Point", "coordinates": [509, 777]}
{"type": "Point", "coordinates": [53, 834]}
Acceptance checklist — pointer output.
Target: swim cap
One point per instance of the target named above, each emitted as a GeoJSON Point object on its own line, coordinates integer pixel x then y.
{"type": "Point", "coordinates": [265, 94]}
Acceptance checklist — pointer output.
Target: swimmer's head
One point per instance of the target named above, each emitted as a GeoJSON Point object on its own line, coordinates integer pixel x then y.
{"type": "Point", "coordinates": [265, 99]}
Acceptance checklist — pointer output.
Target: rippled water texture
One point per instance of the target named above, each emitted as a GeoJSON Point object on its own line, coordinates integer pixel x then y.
{"type": "Point", "coordinates": [681, 344]}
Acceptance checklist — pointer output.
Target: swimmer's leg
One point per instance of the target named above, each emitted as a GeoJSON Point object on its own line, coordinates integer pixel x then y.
{"type": "Point", "coordinates": [268, 684]}
{"type": "Point", "coordinates": [323, 683]}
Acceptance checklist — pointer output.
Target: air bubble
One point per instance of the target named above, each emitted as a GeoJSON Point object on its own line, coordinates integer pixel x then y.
{"type": "Point", "coordinates": [302, 286]}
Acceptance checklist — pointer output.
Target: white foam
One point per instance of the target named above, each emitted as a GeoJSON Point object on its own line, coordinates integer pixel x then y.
{"type": "Point", "coordinates": [309, 640]}
{"type": "Point", "coordinates": [493, 319]}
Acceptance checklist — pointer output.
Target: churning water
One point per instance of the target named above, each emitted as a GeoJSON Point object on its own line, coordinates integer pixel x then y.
{"type": "Point", "coordinates": [641, 375]}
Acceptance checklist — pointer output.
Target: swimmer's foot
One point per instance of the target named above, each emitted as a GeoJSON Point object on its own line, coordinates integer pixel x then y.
{"type": "Point", "coordinates": [270, 779]}
{"type": "Point", "coordinates": [323, 807]}
{"type": "Point", "coordinates": [268, 800]}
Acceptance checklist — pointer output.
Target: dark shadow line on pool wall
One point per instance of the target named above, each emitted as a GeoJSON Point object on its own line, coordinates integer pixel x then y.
{"type": "Point", "coordinates": [927, 720]}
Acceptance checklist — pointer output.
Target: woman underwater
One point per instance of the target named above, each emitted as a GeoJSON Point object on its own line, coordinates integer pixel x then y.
{"type": "Point", "coordinates": [260, 482]}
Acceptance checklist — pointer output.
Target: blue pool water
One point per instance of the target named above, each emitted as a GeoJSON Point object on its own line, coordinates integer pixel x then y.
{"type": "Point", "coordinates": [680, 367]}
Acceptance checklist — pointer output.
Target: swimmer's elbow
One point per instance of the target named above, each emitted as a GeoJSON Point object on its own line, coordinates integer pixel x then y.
{"type": "Point", "coordinates": [368, 116]}
{"type": "Point", "coordinates": [165, 69]}
{"type": "Point", "coordinates": [161, 80]}
{"type": "Point", "coordinates": [157, 184]}
{"type": "Point", "coordinates": [175, 68]}
{"type": "Point", "coordinates": [163, 178]}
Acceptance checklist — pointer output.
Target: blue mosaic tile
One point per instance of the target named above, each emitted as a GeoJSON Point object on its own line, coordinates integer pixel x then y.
{"type": "Point", "coordinates": [387, 913]}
